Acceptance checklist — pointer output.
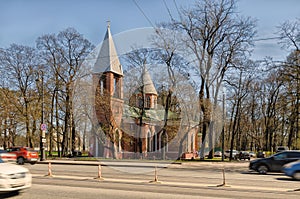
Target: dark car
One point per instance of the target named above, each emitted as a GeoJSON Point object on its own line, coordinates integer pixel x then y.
{"type": "Point", "coordinates": [275, 162]}
{"type": "Point", "coordinates": [243, 155]}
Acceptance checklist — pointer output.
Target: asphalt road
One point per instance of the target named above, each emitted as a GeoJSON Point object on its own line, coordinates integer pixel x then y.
{"type": "Point", "coordinates": [177, 181]}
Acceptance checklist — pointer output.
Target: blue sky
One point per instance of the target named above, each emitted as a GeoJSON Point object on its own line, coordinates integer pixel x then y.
{"type": "Point", "coordinates": [22, 21]}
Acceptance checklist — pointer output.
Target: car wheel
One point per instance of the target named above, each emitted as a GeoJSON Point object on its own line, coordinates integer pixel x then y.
{"type": "Point", "coordinates": [296, 175]}
{"type": "Point", "coordinates": [20, 160]}
{"type": "Point", "coordinates": [262, 169]}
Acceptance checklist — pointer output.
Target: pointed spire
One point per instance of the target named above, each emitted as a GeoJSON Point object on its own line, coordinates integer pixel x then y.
{"type": "Point", "coordinates": [149, 87]}
{"type": "Point", "coordinates": [107, 59]}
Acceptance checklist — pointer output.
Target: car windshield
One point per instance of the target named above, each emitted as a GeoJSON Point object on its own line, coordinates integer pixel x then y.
{"type": "Point", "coordinates": [1, 161]}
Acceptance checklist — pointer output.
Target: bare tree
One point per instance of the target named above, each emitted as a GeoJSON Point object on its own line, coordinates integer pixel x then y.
{"type": "Point", "coordinates": [215, 36]}
{"type": "Point", "coordinates": [47, 46]}
{"type": "Point", "coordinates": [170, 55]}
{"type": "Point", "coordinates": [18, 65]}
{"type": "Point", "coordinates": [290, 39]}
{"type": "Point", "coordinates": [239, 82]}
{"type": "Point", "coordinates": [8, 117]}
{"type": "Point", "coordinates": [289, 34]}
{"type": "Point", "coordinates": [64, 53]}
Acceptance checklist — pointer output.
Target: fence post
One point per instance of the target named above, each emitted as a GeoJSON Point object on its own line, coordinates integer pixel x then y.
{"type": "Point", "coordinates": [155, 176]}
{"type": "Point", "coordinates": [99, 173]}
{"type": "Point", "coordinates": [49, 170]}
{"type": "Point", "coordinates": [224, 180]}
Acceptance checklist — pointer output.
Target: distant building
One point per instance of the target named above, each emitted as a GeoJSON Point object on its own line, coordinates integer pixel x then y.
{"type": "Point", "coordinates": [135, 129]}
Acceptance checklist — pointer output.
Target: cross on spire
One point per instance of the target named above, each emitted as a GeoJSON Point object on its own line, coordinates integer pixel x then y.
{"type": "Point", "coordinates": [108, 23]}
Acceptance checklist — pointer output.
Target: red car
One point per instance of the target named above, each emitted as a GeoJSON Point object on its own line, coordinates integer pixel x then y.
{"type": "Point", "coordinates": [7, 157]}
{"type": "Point", "coordinates": [24, 154]}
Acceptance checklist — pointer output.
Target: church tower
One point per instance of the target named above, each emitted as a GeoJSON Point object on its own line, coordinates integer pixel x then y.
{"type": "Point", "coordinates": [108, 79]}
{"type": "Point", "coordinates": [144, 101]}
{"type": "Point", "coordinates": [146, 94]}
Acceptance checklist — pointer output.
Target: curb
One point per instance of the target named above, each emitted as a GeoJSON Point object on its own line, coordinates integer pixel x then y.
{"type": "Point", "coordinates": [111, 163]}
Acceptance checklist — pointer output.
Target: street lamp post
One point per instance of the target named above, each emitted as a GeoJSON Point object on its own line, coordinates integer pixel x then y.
{"type": "Point", "coordinates": [43, 126]}
{"type": "Point", "coordinates": [223, 128]}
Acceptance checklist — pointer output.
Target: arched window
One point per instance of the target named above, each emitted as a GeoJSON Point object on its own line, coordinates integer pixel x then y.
{"type": "Point", "coordinates": [118, 141]}
{"type": "Point", "coordinates": [148, 100]}
{"type": "Point", "coordinates": [192, 142]}
{"type": "Point", "coordinates": [102, 84]}
{"type": "Point", "coordinates": [149, 143]}
{"type": "Point", "coordinates": [140, 102]}
{"type": "Point", "coordinates": [154, 142]}
{"type": "Point", "coordinates": [101, 87]}
{"type": "Point", "coordinates": [117, 90]}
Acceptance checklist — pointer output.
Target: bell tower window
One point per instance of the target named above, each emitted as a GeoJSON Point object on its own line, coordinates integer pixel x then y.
{"type": "Point", "coordinates": [148, 100]}
{"type": "Point", "coordinates": [102, 84]}
{"type": "Point", "coordinates": [117, 87]}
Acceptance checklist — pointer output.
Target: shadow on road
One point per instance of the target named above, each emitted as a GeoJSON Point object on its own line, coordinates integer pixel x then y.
{"type": "Point", "coordinates": [286, 179]}
{"type": "Point", "coordinates": [256, 173]}
{"type": "Point", "coordinates": [9, 194]}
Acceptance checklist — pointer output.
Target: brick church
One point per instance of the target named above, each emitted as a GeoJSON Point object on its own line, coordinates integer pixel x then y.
{"type": "Point", "coordinates": [135, 127]}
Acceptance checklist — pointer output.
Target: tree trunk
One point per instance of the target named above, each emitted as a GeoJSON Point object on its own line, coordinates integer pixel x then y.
{"type": "Point", "coordinates": [73, 134]}
{"type": "Point", "coordinates": [58, 129]}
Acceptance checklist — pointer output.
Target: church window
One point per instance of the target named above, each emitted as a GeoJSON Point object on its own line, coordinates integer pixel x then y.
{"type": "Point", "coordinates": [148, 100]}
{"type": "Point", "coordinates": [117, 88]}
{"type": "Point", "coordinates": [149, 144]}
{"type": "Point", "coordinates": [132, 127]}
{"type": "Point", "coordinates": [192, 142]}
{"type": "Point", "coordinates": [119, 141]}
{"type": "Point", "coordinates": [155, 142]}
{"type": "Point", "coordinates": [140, 102]}
{"type": "Point", "coordinates": [102, 85]}
{"type": "Point", "coordinates": [155, 102]}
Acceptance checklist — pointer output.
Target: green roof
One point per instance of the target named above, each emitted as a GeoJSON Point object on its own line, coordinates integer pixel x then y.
{"type": "Point", "coordinates": [149, 114]}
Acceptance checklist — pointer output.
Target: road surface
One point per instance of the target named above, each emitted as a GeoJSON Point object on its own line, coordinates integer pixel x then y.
{"type": "Point", "coordinates": [180, 181]}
